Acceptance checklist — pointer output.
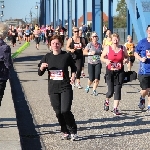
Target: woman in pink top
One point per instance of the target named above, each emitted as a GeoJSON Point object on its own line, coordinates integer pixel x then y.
{"type": "Point", "coordinates": [114, 56]}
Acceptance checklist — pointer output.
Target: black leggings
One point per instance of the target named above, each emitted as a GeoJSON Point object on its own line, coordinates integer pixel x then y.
{"type": "Point", "coordinates": [61, 103]}
{"type": "Point", "coordinates": [37, 40]}
{"type": "Point", "coordinates": [94, 71]}
{"type": "Point", "coordinates": [78, 63]}
{"type": "Point", "coordinates": [2, 89]}
{"type": "Point", "coordinates": [114, 86]}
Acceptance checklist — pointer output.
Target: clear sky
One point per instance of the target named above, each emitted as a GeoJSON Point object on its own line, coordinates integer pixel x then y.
{"type": "Point", "coordinates": [19, 9]}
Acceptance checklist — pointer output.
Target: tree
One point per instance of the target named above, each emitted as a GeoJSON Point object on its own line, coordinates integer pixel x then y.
{"type": "Point", "coordinates": [120, 19]}
{"type": "Point", "coordinates": [121, 8]}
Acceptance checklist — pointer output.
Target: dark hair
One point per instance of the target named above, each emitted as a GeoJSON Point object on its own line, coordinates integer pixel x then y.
{"type": "Point", "coordinates": [58, 38]}
{"type": "Point", "coordinates": [148, 27]}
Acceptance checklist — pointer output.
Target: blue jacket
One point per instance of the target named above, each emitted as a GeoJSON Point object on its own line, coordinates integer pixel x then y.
{"type": "Point", "coordinates": [5, 60]}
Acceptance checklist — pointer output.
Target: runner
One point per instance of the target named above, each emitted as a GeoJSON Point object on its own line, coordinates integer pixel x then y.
{"type": "Point", "coordinates": [48, 35]}
{"type": "Point", "coordinates": [27, 33]}
{"type": "Point", "coordinates": [31, 34]}
{"type": "Point", "coordinates": [93, 50]}
{"type": "Point", "coordinates": [13, 34]}
{"type": "Point", "coordinates": [75, 45]}
{"type": "Point", "coordinates": [43, 30]}
{"type": "Point", "coordinates": [59, 87]}
{"type": "Point", "coordinates": [114, 56]}
{"type": "Point", "coordinates": [142, 53]}
{"type": "Point", "coordinates": [108, 39]}
{"type": "Point", "coordinates": [37, 34]}
{"type": "Point", "coordinates": [20, 35]}
{"type": "Point", "coordinates": [130, 50]}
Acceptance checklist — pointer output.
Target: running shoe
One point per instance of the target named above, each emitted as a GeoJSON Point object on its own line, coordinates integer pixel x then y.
{"type": "Point", "coordinates": [106, 105]}
{"type": "Point", "coordinates": [148, 109]}
{"type": "Point", "coordinates": [95, 93]}
{"type": "Point", "coordinates": [116, 111]}
{"type": "Point", "coordinates": [87, 89]}
{"type": "Point", "coordinates": [142, 103]}
{"type": "Point", "coordinates": [65, 136]}
{"type": "Point", "coordinates": [78, 86]}
{"type": "Point", "coordinates": [74, 137]}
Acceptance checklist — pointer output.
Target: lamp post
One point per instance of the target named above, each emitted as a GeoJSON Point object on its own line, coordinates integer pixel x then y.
{"type": "Point", "coordinates": [31, 15]}
{"type": "Point", "coordinates": [2, 7]}
{"type": "Point", "coordinates": [1, 15]}
{"type": "Point", "coordinates": [37, 7]}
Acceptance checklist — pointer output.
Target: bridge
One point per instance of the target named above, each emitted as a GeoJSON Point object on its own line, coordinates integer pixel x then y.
{"type": "Point", "coordinates": [138, 12]}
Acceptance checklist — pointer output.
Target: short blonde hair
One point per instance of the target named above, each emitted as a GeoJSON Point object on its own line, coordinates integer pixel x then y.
{"type": "Point", "coordinates": [75, 28]}
{"type": "Point", "coordinates": [115, 35]}
{"type": "Point", "coordinates": [3, 30]}
{"type": "Point", "coordinates": [129, 36]}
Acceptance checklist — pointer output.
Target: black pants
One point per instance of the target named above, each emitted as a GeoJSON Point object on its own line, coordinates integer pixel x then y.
{"type": "Point", "coordinates": [37, 40]}
{"type": "Point", "coordinates": [62, 37]}
{"type": "Point", "coordinates": [61, 103]}
{"type": "Point", "coordinates": [2, 89]}
{"type": "Point", "coordinates": [114, 83]}
{"type": "Point", "coordinates": [78, 63]}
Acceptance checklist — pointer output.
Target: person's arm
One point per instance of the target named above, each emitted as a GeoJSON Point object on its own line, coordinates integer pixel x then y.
{"type": "Point", "coordinates": [138, 51]}
{"type": "Point", "coordinates": [41, 69]}
{"type": "Point", "coordinates": [83, 42]}
{"type": "Point", "coordinates": [125, 52]}
{"type": "Point", "coordinates": [104, 54]}
{"type": "Point", "coordinates": [86, 50]}
{"type": "Point", "coordinates": [68, 46]}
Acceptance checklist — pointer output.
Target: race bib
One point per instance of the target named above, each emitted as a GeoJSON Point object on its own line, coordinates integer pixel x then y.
{"type": "Point", "coordinates": [56, 74]}
{"type": "Point", "coordinates": [27, 33]}
{"type": "Point", "coordinates": [148, 53]}
{"type": "Point", "coordinates": [78, 46]}
{"type": "Point", "coordinates": [50, 34]}
{"type": "Point", "coordinates": [95, 58]}
{"type": "Point", "coordinates": [13, 33]}
{"type": "Point", "coordinates": [61, 33]}
{"type": "Point", "coordinates": [115, 66]}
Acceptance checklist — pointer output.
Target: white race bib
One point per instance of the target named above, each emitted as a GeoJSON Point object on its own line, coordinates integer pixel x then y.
{"type": "Point", "coordinates": [115, 66]}
{"type": "Point", "coordinates": [56, 74]}
{"type": "Point", "coordinates": [27, 33]}
{"type": "Point", "coordinates": [61, 33]}
{"type": "Point", "coordinates": [148, 53]}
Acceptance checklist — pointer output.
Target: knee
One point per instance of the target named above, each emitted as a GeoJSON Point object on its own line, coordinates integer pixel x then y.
{"type": "Point", "coordinates": [110, 94]}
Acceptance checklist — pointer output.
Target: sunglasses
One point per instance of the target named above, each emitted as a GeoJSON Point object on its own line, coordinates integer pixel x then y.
{"type": "Point", "coordinates": [95, 36]}
{"type": "Point", "coordinates": [76, 31]}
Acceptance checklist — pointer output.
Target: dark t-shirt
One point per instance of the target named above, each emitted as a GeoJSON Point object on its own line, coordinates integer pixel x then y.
{"type": "Point", "coordinates": [49, 33]}
{"type": "Point", "coordinates": [58, 63]}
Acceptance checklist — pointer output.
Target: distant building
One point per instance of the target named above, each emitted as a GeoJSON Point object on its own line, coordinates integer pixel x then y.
{"type": "Point", "coordinates": [89, 19]}
{"type": "Point", "coordinates": [15, 22]}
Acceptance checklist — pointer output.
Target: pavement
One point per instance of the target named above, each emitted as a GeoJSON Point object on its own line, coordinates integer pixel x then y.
{"type": "Point", "coordinates": [9, 134]}
{"type": "Point", "coordinates": [97, 129]}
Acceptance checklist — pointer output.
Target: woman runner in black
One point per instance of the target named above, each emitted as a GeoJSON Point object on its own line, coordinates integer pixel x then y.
{"type": "Point", "coordinates": [59, 85]}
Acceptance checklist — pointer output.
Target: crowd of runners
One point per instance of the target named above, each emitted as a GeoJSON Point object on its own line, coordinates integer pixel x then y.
{"type": "Point", "coordinates": [110, 52]}
{"type": "Point", "coordinates": [80, 45]}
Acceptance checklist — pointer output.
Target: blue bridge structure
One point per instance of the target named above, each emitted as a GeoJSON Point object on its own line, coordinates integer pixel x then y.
{"type": "Point", "coordinates": [138, 14]}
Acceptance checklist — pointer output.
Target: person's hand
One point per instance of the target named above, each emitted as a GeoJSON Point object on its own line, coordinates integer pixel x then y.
{"type": "Point", "coordinates": [126, 60]}
{"type": "Point", "coordinates": [43, 66]}
{"type": "Point", "coordinates": [72, 50]}
{"type": "Point", "coordinates": [143, 59]}
{"type": "Point", "coordinates": [108, 61]}
{"type": "Point", "coordinates": [92, 53]}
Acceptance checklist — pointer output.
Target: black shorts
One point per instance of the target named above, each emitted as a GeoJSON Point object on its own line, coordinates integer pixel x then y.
{"type": "Point", "coordinates": [94, 71]}
{"type": "Point", "coordinates": [132, 59]}
{"type": "Point", "coordinates": [27, 35]}
{"type": "Point", "coordinates": [144, 81]}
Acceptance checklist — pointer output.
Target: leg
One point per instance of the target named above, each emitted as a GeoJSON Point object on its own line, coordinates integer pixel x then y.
{"type": "Point", "coordinates": [97, 75]}
{"type": "Point", "coordinates": [66, 102]}
{"type": "Point", "coordinates": [56, 104]}
{"type": "Point", "coordinates": [117, 95]}
{"type": "Point", "coordinates": [2, 89]}
{"type": "Point", "coordinates": [79, 69]}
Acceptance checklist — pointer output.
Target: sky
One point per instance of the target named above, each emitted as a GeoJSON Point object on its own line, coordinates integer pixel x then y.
{"type": "Point", "coordinates": [20, 9]}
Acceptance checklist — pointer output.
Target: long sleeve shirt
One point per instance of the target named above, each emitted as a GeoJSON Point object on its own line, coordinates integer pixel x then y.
{"type": "Point", "coordinates": [58, 73]}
